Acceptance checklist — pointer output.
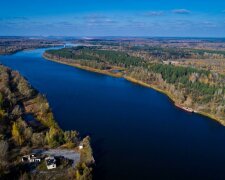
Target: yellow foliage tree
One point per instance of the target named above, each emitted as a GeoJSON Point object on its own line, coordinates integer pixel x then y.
{"type": "Point", "coordinates": [54, 137]}
{"type": "Point", "coordinates": [16, 134]}
{"type": "Point", "coordinates": [2, 113]}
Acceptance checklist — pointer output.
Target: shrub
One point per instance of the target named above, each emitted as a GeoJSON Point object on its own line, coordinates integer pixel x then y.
{"type": "Point", "coordinates": [71, 136]}
{"type": "Point", "coordinates": [25, 150]}
{"type": "Point", "coordinates": [17, 111]}
{"type": "Point", "coordinates": [38, 139]}
{"type": "Point", "coordinates": [54, 137]}
{"type": "Point", "coordinates": [86, 152]}
{"type": "Point", "coordinates": [83, 172]}
{"type": "Point", "coordinates": [28, 134]}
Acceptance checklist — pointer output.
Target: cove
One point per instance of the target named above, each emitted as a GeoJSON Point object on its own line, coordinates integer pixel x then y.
{"type": "Point", "coordinates": [137, 132]}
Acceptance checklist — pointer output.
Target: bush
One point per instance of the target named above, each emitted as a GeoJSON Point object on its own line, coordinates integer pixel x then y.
{"type": "Point", "coordinates": [38, 139]}
{"type": "Point", "coordinates": [17, 111]}
{"type": "Point", "coordinates": [54, 137]}
{"type": "Point", "coordinates": [86, 152]}
{"type": "Point", "coordinates": [71, 136]}
{"type": "Point", "coordinates": [28, 132]}
{"type": "Point", "coordinates": [83, 172]}
{"type": "Point", "coordinates": [25, 150]}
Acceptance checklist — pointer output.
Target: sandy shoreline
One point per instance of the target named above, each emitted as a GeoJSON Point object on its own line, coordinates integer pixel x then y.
{"type": "Point", "coordinates": [86, 68]}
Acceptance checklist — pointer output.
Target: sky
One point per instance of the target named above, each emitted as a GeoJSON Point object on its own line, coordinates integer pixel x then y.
{"type": "Point", "coordinates": [88, 18]}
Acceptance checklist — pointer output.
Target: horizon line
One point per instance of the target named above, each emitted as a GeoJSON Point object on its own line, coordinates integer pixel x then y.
{"type": "Point", "coordinates": [111, 36]}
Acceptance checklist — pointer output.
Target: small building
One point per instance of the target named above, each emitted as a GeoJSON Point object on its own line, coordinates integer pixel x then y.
{"type": "Point", "coordinates": [81, 146]}
{"type": "Point", "coordinates": [31, 158]}
{"type": "Point", "coordinates": [50, 162]}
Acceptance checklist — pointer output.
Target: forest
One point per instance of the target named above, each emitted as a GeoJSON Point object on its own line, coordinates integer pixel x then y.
{"type": "Point", "coordinates": [99, 56]}
{"type": "Point", "coordinates": [165, 53]}
{"type": "Point", "coordinates": [199, 89]}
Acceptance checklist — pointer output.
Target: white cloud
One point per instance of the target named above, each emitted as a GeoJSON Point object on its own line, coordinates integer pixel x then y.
{"type": "Point", "coordinates": [181, 11]}
{"type": "Point", "coordinates": [154, 13]}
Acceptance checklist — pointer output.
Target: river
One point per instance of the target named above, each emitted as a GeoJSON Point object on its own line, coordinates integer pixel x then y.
{"type": "Point", "coordinates": [137, 133]}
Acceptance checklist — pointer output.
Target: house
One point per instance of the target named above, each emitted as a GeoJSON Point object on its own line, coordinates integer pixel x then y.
{"type": "Point", "coordinates": [50, 162]}
{"type": "Point", "coordinates": [31, 158]}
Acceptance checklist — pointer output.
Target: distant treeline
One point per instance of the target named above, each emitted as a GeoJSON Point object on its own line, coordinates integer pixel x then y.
{"type": "Point", "coordinates": [13, 45]}
{"type": "Point", "coordinates": [165, 53]}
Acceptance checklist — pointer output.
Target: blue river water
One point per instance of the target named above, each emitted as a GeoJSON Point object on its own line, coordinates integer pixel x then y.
{"type": "Point", "coordinates": [137, 133]}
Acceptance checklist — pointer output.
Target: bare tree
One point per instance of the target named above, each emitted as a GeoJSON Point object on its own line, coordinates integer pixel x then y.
{"type": "Point", "coordinates": [3, 154]}
{"type": "Point", "coordinates": [3, 150]}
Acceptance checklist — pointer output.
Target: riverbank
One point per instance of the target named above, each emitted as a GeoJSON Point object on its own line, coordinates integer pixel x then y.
{"type": "Point", "coordinates": [105, 72]}
{"type": "Point", "coordinates": [18, 100]}
{"type": "Point", "coordinates": [133, 80]}
{"type": "Point", "coordinates": [173, 99]}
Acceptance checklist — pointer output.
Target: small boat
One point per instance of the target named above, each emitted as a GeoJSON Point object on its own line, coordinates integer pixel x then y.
{"type": "Point", "coordinates": [185, 108]}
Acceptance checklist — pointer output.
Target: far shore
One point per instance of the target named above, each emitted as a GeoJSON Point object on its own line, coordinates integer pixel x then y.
{"type": "Point", "coordinates": [135, 81]}
{"type": "Point", "coordinates": [29, 49]}
{"type": "Point", "coordinates": [106, 72]}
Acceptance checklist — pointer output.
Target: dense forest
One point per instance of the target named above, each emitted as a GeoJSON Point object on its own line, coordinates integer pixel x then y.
{"type": "Point", "coordinates": [201, 90]}
{"type": "Point", "coordinates": [19, 136]}
{"type": "Point", "coordinates": [103, 57]}
{"type": "Point", "coordinates": [164, 49]}
{"type": "Point", "coordinates": [165, 53]}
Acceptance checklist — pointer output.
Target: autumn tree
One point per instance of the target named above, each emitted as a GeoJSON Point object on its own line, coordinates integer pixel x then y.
{"type": "Point", "coordinates": [16, 134]}
{"type": "Point", "coordinates": [54, 137]}
{"type": "Point", "coordinates": [71, 136]}
{"type": "Point", "coordinates": [38, 139]}
{"type": "Point", "coordinates": [83, 172]}
{"type": "Point", "coordinates": [3, 155]}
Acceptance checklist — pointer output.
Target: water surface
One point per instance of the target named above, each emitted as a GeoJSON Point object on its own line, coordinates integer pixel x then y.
{"type": "Point", "coordinates": [136, 132]}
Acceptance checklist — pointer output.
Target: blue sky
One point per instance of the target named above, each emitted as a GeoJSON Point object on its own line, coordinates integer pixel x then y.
{"type": "Point", "coordinates": [195, 18]}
